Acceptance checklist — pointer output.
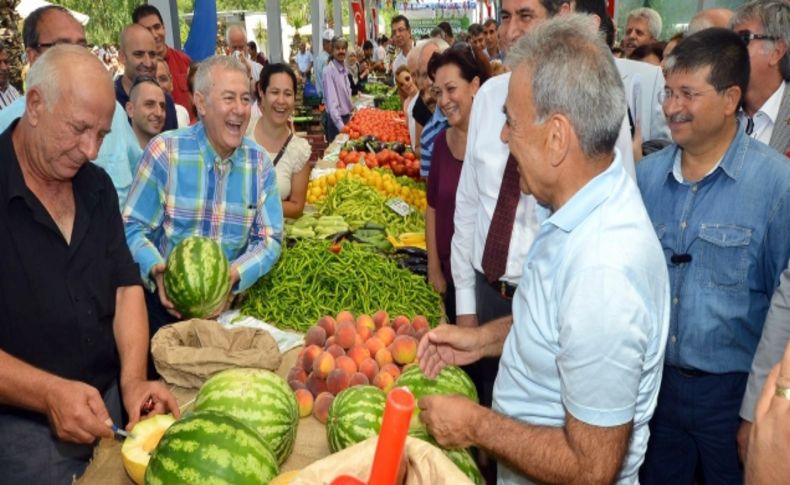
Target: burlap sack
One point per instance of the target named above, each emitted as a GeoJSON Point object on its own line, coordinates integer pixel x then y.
{"type": "Point", "coordinates": [425, 465]}
{"type": "Point", "coordinates": [187, 353]}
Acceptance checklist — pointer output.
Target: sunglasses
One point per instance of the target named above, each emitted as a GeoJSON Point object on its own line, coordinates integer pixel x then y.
{"type": "Point", "coordinates": [747, 36]}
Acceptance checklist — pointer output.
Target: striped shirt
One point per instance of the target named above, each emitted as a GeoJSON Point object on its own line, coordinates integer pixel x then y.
{"type": "Point", "coordinates": [183, 188]}
{"type": "Point", "coordinates": [437, 123]}
{"type": "Point", "coordinates": [8, 96]}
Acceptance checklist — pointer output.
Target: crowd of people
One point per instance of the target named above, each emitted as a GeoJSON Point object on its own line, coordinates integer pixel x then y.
{"type": "Point", "coordinates": [607, 224]}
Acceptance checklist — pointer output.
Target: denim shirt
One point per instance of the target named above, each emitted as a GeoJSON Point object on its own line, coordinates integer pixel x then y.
{"type": "Point", "coordinates": [735, 226]}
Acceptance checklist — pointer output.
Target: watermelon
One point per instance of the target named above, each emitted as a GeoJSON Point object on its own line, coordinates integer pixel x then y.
{"type": "Point", "coordinates": [260, 399]}
{"type": "Point", "coordinates": [197, 277]}
{"type": "Point", "coordinates": [355, 415]}
{"type": "Point", "coordinates": [460, 456]}
{"type": "Point", "coordinates": [209, 447]}
{"type": "Point", "coordinates": [451, 380]}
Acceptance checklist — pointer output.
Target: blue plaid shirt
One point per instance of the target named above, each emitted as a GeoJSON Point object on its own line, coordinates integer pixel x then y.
{"type": "Point", "coordinates": [183, 188]}
{"type": "Point", "coordinates": [437, 123]}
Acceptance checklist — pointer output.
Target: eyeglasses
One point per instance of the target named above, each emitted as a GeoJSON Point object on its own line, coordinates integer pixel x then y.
{"type": "Point", "coordinates": [747, 36]}
{"type": "Point", "coordinates": [684, 95]}
{"type": "Point", "coordinates": [47, 45]}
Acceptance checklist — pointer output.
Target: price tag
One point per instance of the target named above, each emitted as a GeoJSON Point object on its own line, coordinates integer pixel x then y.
{"type": "Point", "coordinates": [399, 206]}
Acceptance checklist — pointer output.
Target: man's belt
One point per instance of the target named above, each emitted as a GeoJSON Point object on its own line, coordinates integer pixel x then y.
{"type": "Point", "coordinates": [685, 372]}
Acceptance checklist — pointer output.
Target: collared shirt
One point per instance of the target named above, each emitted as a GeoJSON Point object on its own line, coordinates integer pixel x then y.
{"type": "Point", "coordinates": [765, 118]}
{"type": "Point", "coordinates": [321, 61]}
{"type": "Point", "coordinates": [591, 315]}
{"type": "Point", "coordinates": [304, 60]}
{"type": "Point", "coordinates": [8, 96]}
{"type": "Point", "coordinates": [500, 56]}
{"type": "Point", "coordinates": [478, 191]}
{"type": "Point", "coordinates": [400, 60]}
{"type": "Point", "coordinates": [183, 188]}
{"type": "Point", "coordinates": [337, 93]}
{"type": "Point", "coordinates": [734, 225]}
{"type": "Point", "coordinates": [57, 298]}
{"type": "Point", "coordinates": [179, 62]}
{"type": "Point", "coordinates": [429, 133]}
{"type": "Point", "coordinates": [119, 153]}
{"type": "Point", "coordinates": [171, 118]}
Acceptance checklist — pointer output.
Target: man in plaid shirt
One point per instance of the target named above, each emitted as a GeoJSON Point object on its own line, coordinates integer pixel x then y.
{"type": "Point", "coordinates": [206, 180]}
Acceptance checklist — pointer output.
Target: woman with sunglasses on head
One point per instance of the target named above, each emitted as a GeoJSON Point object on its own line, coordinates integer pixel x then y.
{"type": "Point", "coordinates": [457, 74]}
{"type": "Point", "coordinates": [272, 131]}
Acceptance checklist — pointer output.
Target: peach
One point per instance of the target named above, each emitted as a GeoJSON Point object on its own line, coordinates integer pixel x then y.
{"type": "Point", "coordinates": [370, 368]}
{"type": "Point", "coordinates": [345, 316]}
{"type": "Point", "coordinates": [345, 335]}
{"type": "Point", "coordinates": [324, 364]}
{"type": "Point", "coordinates": [374, 344]}
{"type": "Point", "coordinates": [295, 385]}
{"type": "Point", "coordinates": [330, 341]}
{"type": "Point", "coordinates": [381, 318]}
{"type": "Point", "coordinates": [404, 349]}
{"type": "Point", "coordinates": [315, 336]}
{"type": "Point", "coordinates": [399, 321]}
{"type": "Point", "coordinates": [384, 381]}
{"type": "Point", "coordinates": [297, 374]}
{"type": "Point", "coordinates": [420, 322]}
{"type": "Point", "coordinates": [337, 381]}
{"type": "Point", "coordinates": [305, 401]}
{"type": "Point", "coordinates": [358, 340]}
{"type": "Point", "coordinates": [386, 335]}
{"type": "Point", "coordinates": [384, 356]}
{"type": "Point", "coordinates": [359, 353]}
{"type": "Point", "coordinates": [315, 384]}
{"type": "Point", "coordinates": [406, 329]}
{"type": "Point", "coordinates": [321, 406]}
{"type": "Point", "coordinates": [346, 363]}
{"type": "Point", "coordinates": [311, 352]}
{"type": "Point", "coordinates": [392, 369]}
{"type": "Point", "coordinates": [366, 321]}
{"type": "Point", "coordinates": [336, 350]}
{"type": "Point", "coordinates": [328, 323]}
{"type": "Point", "coordinates": [363, 332]}
{"type": "Point", "coordinates": [359, 379]}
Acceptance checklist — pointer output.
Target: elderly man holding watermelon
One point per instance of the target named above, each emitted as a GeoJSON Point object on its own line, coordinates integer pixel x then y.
{"type": "Point", "coordinates": [73, 330]}
{"type": "Point", "coordinates": [209, 181]}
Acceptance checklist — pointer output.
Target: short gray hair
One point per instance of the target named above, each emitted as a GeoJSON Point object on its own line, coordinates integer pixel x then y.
{"type": "Point", "coordinates": [203, 74]}
{"type": "Point", "coordinates": [46, 75]}
{"type": "Point", "coordinates": [230, 30]}
{"type": "Point", "coordinates": [774, 16]}
{"type": "Point", "coordinates": [652, 18]}
{"type": "Point", "coordinates": [573, 73]}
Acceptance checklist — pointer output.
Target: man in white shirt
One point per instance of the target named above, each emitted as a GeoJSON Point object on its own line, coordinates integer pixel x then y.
{"type": "Point", "coordinates": [401, 36]}
{"type": "Point", "coordinates": [765, 27]}
{"type": "Point", "coordinates": [8, 93]}
{"type": "Point", "coordinates": [236, 39]}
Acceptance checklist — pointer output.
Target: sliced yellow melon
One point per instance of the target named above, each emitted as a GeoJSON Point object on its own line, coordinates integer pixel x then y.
{"type": "Point", "coordinates": [136, 449]}
{"type": "Point", "coordinates": [285, 478]}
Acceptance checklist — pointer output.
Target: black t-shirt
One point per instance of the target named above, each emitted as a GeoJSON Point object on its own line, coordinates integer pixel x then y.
{"type": "Point", "coordinates": [57, 299]}
{"type": "Point", "coordinates": [171, 118]}
{"type": "Point", "coordinates": [420, 112]}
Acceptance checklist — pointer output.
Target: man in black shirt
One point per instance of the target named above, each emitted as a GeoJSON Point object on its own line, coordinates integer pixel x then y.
{"type": "Point", "coordinates": [73, 329]}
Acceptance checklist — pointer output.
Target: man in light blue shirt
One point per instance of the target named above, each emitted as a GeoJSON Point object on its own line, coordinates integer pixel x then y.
{"type": "Point", "coordinates": [718, 200]}
{"type": "Point", "coordinates": [304, 60]}
{"type": "Point", "coordinates": [322, 59]}
{"type": "Point", "coordinates": [120, 151]}
{"type": "Point", "coordinates": [581, 358]}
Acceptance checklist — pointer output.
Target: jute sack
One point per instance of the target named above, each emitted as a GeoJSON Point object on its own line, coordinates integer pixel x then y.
{"type": "Point", "coordinates": [187, 353]}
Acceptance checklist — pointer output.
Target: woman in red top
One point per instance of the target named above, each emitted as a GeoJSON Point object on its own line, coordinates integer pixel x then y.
{"type": "Point", "coordinates": [457, 74]}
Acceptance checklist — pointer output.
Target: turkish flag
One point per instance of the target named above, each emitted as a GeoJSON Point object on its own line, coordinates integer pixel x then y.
{"type": "Point", "coordinates": [359, 19]}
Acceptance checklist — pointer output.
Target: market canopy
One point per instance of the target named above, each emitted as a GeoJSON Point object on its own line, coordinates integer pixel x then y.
{"type": "Point", "coordinates": [26, 7]}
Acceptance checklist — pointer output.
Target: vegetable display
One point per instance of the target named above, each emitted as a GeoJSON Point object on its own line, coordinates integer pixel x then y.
{"type": "Point", "coordinates": [387, 126]}
{"type": "Point", "coordinates": [310, 281]}
{"type": "Point", "coordinates": [383, 181]}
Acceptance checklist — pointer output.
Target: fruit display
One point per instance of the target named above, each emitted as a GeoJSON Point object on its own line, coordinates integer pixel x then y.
{"type": "Point", "coordinates": [309, 281]}
{"type": "Point", "coordinates": [358, 203]}
{"type": "Point", "coordinates": [396, 157]}
{"type": "Point", "coordinates": [451, 380]}
{"type": "Point", "coordinates": [211, 447]}
{"type": "Point", "coordinates": [384, 182]}
{"type": "Point", "coordinates": [260, 399]}
{"type": "Point", "coordinates": [384, 125]}
{"type": "Point", "coordinates": [197, 278]}
{"type": "Point", "coordinates": [314, 226]}
{"type": "Point", "coordinates": [141, 442]}
{"type": "Point", "coordinates": [355, 415]}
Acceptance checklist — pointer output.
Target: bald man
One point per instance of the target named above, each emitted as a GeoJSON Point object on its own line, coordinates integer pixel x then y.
{"type": "Point", "coordinates": [137, 53]}
{"type": "Point", "coordinates": [710, 17]}
{"type": "Point", "coordinates": [74, 331]}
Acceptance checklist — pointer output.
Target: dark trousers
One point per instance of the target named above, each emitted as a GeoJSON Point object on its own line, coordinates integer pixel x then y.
{"type": "Point", "coordinates": [449, 302]}
{"type": "Point", "coordinates": [157, 318]}
{"type": "Point", "coordinates": [694, 426]}
{"type": "Point", "coordinates": [32, 454]}
{"type": "Point", "coordinates": [490, 306]}
{"type": "Point", "coordinates": [330, 128]}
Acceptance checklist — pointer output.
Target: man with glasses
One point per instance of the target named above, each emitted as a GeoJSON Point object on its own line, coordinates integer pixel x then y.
{"type": "Point", "coordinates": [52, 25]}
{"type": "Point", "coordinates": [718, 200]}
{"type": "Point", "coordinates": [165, 79]}
{"type": "Point", "coordinates": [438, 121]}
{"type": "Point", "coordinates": [765, 27]}
{"type": "Point", "coordinates": [137, 53]}
{"type": "Point", "coordinates": [401, 37]}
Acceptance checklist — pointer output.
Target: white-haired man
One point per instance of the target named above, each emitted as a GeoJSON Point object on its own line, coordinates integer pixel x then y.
{"type": "Point", "coordinates": [236, 40]}
{"type": "Point", "coordinates": [642, 27]}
